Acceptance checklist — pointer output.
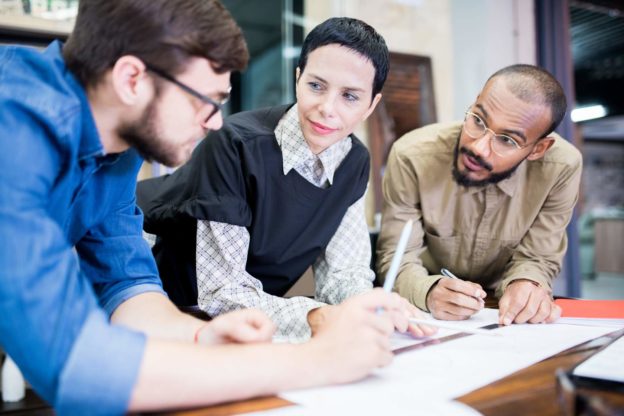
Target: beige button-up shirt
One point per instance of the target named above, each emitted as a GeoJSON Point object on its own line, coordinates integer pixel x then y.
{"type": "Point", "coordinates": [492, 235]}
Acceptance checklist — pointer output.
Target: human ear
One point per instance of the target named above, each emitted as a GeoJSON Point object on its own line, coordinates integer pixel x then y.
{"type": "Point", "coordinates": [128, 79]}
{"type": "Point", "coordinates": [541, 147]}
{"type": "Point", "coordinates": [371, 108]}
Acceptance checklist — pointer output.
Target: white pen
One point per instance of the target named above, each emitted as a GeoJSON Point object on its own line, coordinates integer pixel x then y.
{"type": "Point", "coordinates": [396, 259]}
{"type": "Point", "coordinates": [446, 325]}
{"type": "Point", "coordinates": [398, 256]}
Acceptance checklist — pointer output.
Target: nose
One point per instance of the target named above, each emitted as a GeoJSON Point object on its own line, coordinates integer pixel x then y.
{"type": "Point", "coordinates": [327, 105]}
{"type": "Point", "coordinates": [481, 146]}
{"type": "Point", "coordinates": [213, 123]}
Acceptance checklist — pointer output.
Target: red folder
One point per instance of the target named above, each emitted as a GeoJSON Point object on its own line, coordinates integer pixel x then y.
{"type": "Point", "coordinates": [577, 308]}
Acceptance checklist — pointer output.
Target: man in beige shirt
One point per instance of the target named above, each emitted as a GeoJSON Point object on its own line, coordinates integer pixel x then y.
{"type": "Point", "coordinates": [491, 198]}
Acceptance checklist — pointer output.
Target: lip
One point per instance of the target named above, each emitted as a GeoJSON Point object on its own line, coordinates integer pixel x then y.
{"type": "Point", "coordinates": [471, 164]}
{"type": "Point", "coordinates": [321, 128]}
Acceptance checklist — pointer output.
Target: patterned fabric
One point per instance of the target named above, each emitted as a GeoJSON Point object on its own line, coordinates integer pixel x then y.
{"type": "Point", "coordinates": [316, 169]}
{"type": "Point", "coordinates": [342, 270]}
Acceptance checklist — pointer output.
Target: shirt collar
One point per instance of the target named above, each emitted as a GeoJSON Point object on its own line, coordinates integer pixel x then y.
{"type": "Point", "coordinates": [90, 144]}
{"type": "Point", "coordinates": [296, 152]}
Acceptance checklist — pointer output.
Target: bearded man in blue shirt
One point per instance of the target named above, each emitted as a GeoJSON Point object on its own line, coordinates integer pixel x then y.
{"type": "Point", "coordinates": [83, 311]}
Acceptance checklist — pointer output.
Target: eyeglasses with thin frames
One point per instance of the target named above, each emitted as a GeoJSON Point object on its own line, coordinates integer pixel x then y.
{"type": "Point", "coordinates": [501, 144]}
{"type": "Point", "coordinates": [215, 106]}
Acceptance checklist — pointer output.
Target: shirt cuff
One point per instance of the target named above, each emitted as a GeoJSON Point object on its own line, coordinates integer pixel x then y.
{"type": "Point", "coordinates": [101, 370]}
{"type": "Point", "coordinates": [416, 288]}
{"type": "Point", "coordinates": [123, 295]}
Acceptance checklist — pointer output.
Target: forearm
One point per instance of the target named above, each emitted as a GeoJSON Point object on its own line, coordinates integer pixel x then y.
{"type": "Point", "coordinates": [343, 268]}
{"type": "Point", "coordinates": [175, 375]}
{"type": "Point", "coordinates": [153, 314]}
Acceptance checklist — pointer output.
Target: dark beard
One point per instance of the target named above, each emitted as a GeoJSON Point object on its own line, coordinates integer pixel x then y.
{"type": "Point", "coordinates": [143, 136]}
{"type": "Point", "coordinates": [463, 179]}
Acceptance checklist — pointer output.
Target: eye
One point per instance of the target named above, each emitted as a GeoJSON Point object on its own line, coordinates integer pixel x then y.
{"type": "Point", "coordinates": [315, 86]}
{"type": "Point", "coordinates": [477, 120]}
{"type": "Point", "coordinates": [350, 97]}
{"type": "Point", "coordinates": [507, 141]}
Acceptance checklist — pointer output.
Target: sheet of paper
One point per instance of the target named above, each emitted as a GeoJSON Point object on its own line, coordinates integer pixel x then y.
{"type": "Point", "coordinates": [379, 407]}
{"type": "Point", "coordinates": [607, 364]}
{"type": "Point", "coordinates": [614, 323]}
{"type": "Point", "coordinates": [451, 369]}
{"type": "Point", "coordinates": [484, 317]}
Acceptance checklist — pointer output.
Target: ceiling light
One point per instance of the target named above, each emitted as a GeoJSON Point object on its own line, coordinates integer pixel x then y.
{"type": "Point", "coordinates": [588, 113]}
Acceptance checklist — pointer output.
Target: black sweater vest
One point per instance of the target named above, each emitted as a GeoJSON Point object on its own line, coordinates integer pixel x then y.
{"type": "Point", "coordinates": [236, 176]}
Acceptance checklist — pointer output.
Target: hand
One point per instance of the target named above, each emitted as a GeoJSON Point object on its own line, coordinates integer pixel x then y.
{"type": "Point", "coordinates": [402, 324]}
{"type": "Point", "coordinates": [355, 339]}
{"type": "Point", "coordinates": [242, 326]}
{"type": "Point", "coordinates": [454, 299]}
{"type": "Point", "coordinates": [523, 301]}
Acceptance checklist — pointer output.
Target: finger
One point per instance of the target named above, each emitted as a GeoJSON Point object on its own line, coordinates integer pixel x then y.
{"type": "Point", "coordinates": [555, 313]}
{"type": "Point", "coordinates": [529, 309]}
{"type": "Point", "coordinates": [376, 299]}
{"type": "Point", "coordinates": [456, 312]}
{"type": "Point", "coordinates": [464, 301]}
{"type": "Point", "coordinates": [543, 311]}
{"type": "Point", "coordinates": [421, 331]}
{"type": "Point", "coordinates": [462, 286]}
{"type": "Point", "coordinates": [510, 306]}
{"type": "Point", "coordinates": [446, 316]}
{"type": "Point", "coordinates": [400, 320]}
{"type": "Point", "coordinates": [382, 324]}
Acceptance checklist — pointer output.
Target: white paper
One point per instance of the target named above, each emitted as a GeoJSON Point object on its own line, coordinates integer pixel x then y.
{"type": "Point", "coordinates": [607, 364]}
{"type": "Point", "coordinates": [484, 317]}
{"type": "Point", "coordinates": [453, 368]}
{"type": "Point", "coordinates": [379, 408]}
{"type": "Point", "coordinates": [604, 322]}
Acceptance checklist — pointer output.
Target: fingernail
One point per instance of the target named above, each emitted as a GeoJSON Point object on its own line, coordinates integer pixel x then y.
{"type": "Point", "coordinates": [506, 320]}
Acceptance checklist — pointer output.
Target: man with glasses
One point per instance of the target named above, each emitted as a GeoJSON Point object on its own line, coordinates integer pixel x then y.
{"type": "Point", "coordinates": [82, 310]}
{"type": "Point", "coordinates": [491, 197]}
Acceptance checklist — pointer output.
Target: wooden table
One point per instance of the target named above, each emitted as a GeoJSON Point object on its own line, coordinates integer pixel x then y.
{"type": "Point", "coordinates": [531, 391]}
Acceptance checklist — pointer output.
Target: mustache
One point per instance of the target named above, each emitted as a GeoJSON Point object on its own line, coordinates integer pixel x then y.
{"type": "Point", "coordinates": [476, 158]}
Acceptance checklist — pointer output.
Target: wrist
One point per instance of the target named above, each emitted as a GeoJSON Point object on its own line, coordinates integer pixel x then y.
{"type": "Point", "coordinates": [317, 317]}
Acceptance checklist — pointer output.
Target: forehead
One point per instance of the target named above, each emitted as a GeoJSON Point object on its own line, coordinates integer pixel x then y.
{"type": "Point", "coordinates": [503, 111]}
{"type": "Point", "coordinates": [199, 74]}
{"type": "Point", "coordinates": [341, 65]}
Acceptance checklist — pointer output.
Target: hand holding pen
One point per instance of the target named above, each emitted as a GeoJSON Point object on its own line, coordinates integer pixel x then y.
{"type": "Point", "coordinates": [455, 299]}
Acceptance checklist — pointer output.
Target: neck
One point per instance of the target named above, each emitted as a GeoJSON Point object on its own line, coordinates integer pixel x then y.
{"type": "Point", "coordinates": [107, 113]}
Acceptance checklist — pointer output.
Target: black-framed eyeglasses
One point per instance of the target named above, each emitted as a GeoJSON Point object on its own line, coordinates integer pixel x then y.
{"type": "Point", "coordinates": [501, 144]}
{"type": "Point", "coordinates": [215, 106]}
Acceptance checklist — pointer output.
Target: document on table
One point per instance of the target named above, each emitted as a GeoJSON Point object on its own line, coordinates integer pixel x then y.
{"type": "Point", "coordinates": [453, 368]}
{"type": "Point", "coordinates": [379, 407]}
{"type": "Point", "coordinates": [485, 317]}
{"type": "Point", "coordinates": [607, 364]}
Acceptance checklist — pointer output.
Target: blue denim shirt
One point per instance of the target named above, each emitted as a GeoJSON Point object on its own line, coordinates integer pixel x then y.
{"type": "Point", "coordinates": [71, 240]}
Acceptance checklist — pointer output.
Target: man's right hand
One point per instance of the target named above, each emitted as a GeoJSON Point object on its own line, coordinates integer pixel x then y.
{"type": "Point", "coordinates": [353, 338]}
{"type": "Point", "coordinates": [454, 299]}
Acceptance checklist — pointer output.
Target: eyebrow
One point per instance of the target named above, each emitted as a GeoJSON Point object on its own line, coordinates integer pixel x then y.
{"type": "Point", "coordinates": [506, 131]}
{"type": "Point", "coordinates": [346, 88]}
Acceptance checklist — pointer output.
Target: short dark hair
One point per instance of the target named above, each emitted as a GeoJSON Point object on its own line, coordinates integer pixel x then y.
{"type": "Point", "coordinates": [163, 33]}
{"type": "Point", "coordinates": [353, 34]}
{"type": "Point", "coordinates": [533, 84]}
